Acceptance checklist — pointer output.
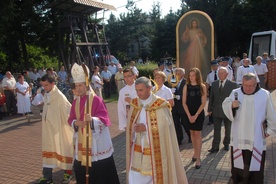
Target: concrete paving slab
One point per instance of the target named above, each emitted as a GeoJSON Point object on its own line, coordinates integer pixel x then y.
{"type": "Point", "coordinates": [21, 163]}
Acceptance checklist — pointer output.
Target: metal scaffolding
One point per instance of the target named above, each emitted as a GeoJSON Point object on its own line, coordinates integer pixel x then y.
{"type": "Point", "coordinates": [80, 39]}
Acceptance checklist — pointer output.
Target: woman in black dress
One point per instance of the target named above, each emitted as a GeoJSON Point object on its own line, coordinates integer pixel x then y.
{"type": "Point", "coordinates": [194, 99]}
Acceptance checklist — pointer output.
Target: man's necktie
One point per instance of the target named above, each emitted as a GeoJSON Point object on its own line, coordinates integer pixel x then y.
{"type": "Point", "coordinates": [220, 86]}
{"type": "Point", "coordinates": [178, 85]}
{"type": "Point", "coordinates": [215, 76]}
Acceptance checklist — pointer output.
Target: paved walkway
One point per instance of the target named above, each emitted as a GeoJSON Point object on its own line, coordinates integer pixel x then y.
{"type": "Point", "coordinates": [20, 154]}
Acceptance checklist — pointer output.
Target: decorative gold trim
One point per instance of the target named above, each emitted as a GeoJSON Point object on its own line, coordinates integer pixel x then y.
{"type": "Point", "coordinates": [134, 103]}
{"type": "Point", "coordinates": [60, 158]}
{"type": "Point", "coordinates": [142, 172]}
{"type": "Point", "coordinates": [138, 148]}
{"type": "Point", "coordinates": [132, 118]}
{"type": "Point", "coordinates": [173, 84]}
{"type": "Point", "coordinates": [156, 155]}
{"type": "Point", "coordinates": [155, 84]}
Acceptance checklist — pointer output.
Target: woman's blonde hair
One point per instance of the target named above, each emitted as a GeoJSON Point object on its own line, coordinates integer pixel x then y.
{"type": "Point", "coordinates": [162, 74]}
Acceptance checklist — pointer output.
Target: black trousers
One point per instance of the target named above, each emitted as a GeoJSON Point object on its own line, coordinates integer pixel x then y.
{"type": "Point", "coordinates": [102, 172]}
{"type": "Point", "coordinates": [217, 132]}
{"type": "Point", "coordinates": [48, 173]}
{"type": "Point", "coordinates": [10, 102]}
{"type": "Point", "coordinates": [245, 176]}
{"type": "Point", "coordinates": [179, 121]}
{"type": "Point", "coordinates": [107, 89]}
{"type": "Point", "coordinates": [113, 85]}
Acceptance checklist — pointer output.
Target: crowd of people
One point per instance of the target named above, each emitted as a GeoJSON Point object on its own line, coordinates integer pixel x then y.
{"type": "Point", "coordinates": [234, 93]}
{"type": "Point", "coordinates": [21, 92]}
{"type": "Point", "coordinates": [154, 113]}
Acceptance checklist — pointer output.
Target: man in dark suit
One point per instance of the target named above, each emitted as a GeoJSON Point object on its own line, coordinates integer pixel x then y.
{"type": "Point", "coordinates": [219, 91]}
{"type": "Point", "coordinates": [178, 112]}
{"type": "Point", "coordinates": [211, 77]}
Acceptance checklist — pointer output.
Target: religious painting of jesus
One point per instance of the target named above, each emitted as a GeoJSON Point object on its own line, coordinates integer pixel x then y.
{"type": "Point", "coordinates": [195, 41]}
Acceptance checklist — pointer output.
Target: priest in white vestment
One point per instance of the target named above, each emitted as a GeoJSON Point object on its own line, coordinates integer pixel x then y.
{"type": "Point", "coordinates": [57, 142]}
{"type": "Point", "coordinates": [253, 118]}
{"type": "Point", "coordinates": [125, 95]}
{"type": "Point", "coordinates": [152, 153]}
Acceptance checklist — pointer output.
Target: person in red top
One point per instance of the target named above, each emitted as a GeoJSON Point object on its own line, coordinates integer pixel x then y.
{"type": "Point", "coordinates": [2, 103]}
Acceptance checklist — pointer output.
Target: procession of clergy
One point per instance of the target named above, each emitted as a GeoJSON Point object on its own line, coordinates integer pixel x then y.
{"type": "Point", "coordinates": [152, 134]}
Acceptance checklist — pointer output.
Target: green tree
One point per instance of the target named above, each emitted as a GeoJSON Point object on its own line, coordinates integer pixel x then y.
{"type": "Point", "coordinates": [22, 23]}
{"type": "Point", "coordinates": [236, 20]}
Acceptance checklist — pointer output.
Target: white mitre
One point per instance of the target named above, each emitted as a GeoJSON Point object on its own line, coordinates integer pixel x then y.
{"type": "Point", "coordinates": [78, 73]}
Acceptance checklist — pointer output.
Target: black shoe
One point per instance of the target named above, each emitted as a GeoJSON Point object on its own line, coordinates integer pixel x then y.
{"type": "Point", "coordinates": [210, 123]}
{"type": "Point", "coordinates": [213, 150]}
{"type": "Point", "coordinates": [193, 159]}
{"type": "Point", "coordinates": [198, 166]}
{"type": "Point", "coordinates": [179, 143]}
{"type": "Point", "coordinates": [226, 148]}
{"type": "Point", "coordinates": [189, 140]}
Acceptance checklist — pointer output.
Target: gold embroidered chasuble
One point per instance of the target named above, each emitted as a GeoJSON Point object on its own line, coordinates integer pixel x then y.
{"type": "Point", "coordinates": [57, 141]}
{"type": "Point", "coordinates": [160, 156]}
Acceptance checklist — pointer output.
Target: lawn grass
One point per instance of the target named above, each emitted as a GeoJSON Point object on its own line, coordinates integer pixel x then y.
{"type": "Point", "coordinates": [112, 98]}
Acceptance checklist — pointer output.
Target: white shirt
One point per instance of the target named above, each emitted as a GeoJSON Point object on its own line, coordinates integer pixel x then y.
{"type": "Point", "coordinates": [164, 92]}
{"type": "Point", "coordinates": [42, 72]}
{"type": "Point", "coordinates": [38, 99]}
{"type": "Point", "coordinates": [135, 70]}
{"type": "Point", "coordinates": [95, 79]}
{"type": "Point", "coordinates": [223, 82]}
{"type": "Point", "coordinates": [122, 112]}
{"type": "Point", "coordinates": [62, 75]}
{"type": "Point", "coordinates": [31, 74]}
{"type": "Point", "coordinates": [211, 77]}
{"type": "Point", "coordinates": [260, 69]}
{"type": "Point", "coordinates": [9, 83]}
{"type": "Point", "coordinates": [35, 76]}
{"type": "Point", "coordinates": [230, 72]}
{"type": "Point", "coordinates": [106, 74]}
{"type": "Point", "coordinates": [244, 70]}
{"type": "Point", "coordinates": [168, 72]}
{"type": "Point", "coordinates": [112, 69]}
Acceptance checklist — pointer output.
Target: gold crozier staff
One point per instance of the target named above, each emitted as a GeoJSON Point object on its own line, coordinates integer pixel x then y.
{"type": "Point", "coordinates": [87, 123]}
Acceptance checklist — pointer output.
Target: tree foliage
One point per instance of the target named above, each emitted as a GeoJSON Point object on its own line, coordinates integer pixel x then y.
{"type": "Point", "coordinates": [25, 23]}
{"type": "Point", "coordinates": [236, 20]}
{"type": "Point", "coordinates": [29, 30]}
{"type": "Point", "coordinates": [234, 23]}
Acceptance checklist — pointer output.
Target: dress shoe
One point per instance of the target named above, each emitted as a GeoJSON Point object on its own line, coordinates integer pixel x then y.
{"type": "Point", "coordinates": [213, 150]}
{"type": "Point", "coordinates": [193, 159]}
{"type": "Point", "coordinates": [226, 148]}
{"type": "Point", "coordinates": [198, 166]}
